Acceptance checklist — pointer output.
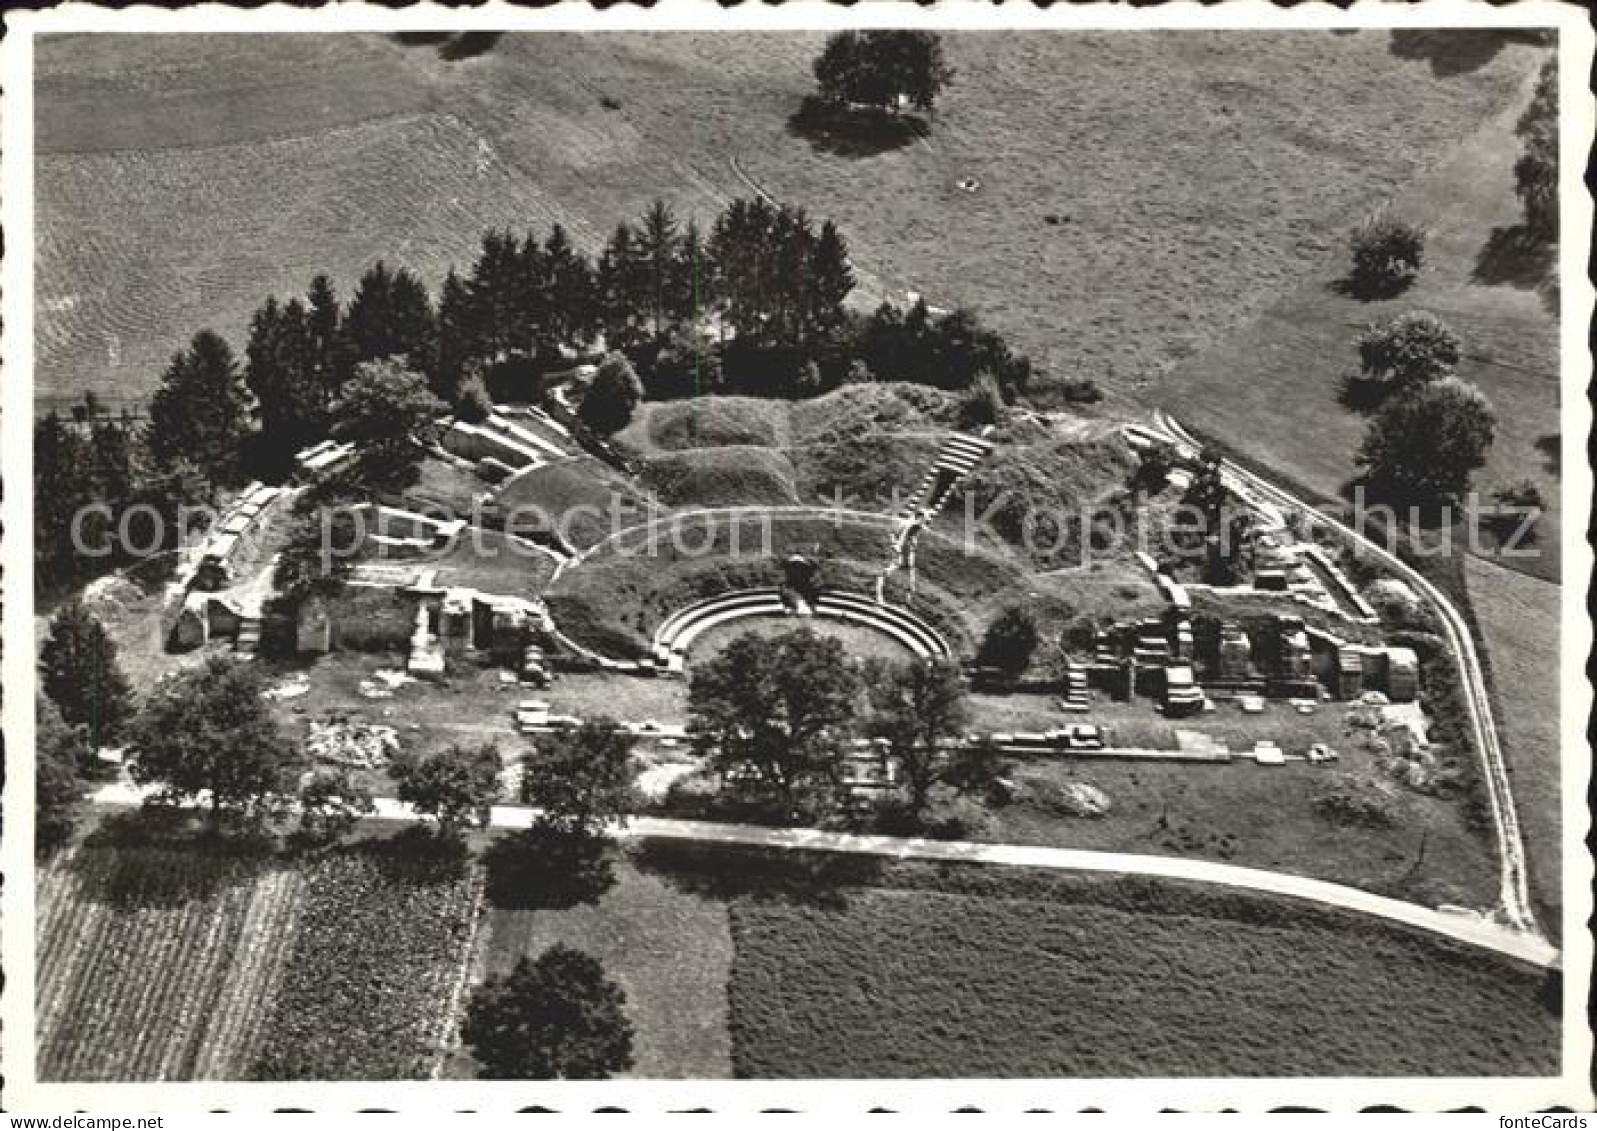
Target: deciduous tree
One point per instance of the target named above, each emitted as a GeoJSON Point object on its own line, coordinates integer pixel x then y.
{"type": "Point", "coordinates": [1424, 446]}
{"type": "Point", "coordinates": [455, 787]}
{"type": "Point", "coordinates": [879, 68]}
{"type": "Point", "coordinates": [1410, 349]}
{"type": "Point", "coordinates": [580, 780]}
{"type": "Point", "coordinates": [1009, 642]}
{"type": "Point", "coordinates": [208, 732]}
{"type": "Point", "coordinates": [920, 708]}
{"type": "Point", "coordinates": [387, 410]}
{"type": "Point", "coordinates": [554, 1017]}
{"type": "Point", "coordinates": [780, 709]}
{"type": "Point", "coordinates": [612, 396]}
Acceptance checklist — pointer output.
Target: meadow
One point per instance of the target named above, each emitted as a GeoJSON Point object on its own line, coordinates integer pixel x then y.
{"type": "Point", "coordinates": [849, 968]}
{"type": "Point", "coordinates": [923, 984]}
{"type": "Point", "coordinates": [1258, 386]}
{"type": "Point", "coordinates": [1519, 620]}
{"type": "Point", "coordinates": [1137, 194]}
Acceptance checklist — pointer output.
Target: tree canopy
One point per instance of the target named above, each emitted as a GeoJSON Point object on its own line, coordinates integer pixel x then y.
{"type": "Point", "coordinates": [201, 411]}
{"type": "Point", "coordinates": [881, 67]}
{"type": "Point", "coordinates": [209, 731]}
{"type": "Point", "coordinates": [455, 787]}
{"type": "Point", "coordinates": [920, 708]}
{"type": "Point", "coordinates": [580, 780]}
{"type": "Point", "coordinates": [556, 1017]}
{"type": "Point", "coordinates": [60, 753]}
{"type": "Point", "coordinates": [80, 673]}
{"type": "Point", "coordinates": [612, 397]}
{"type": "Point", "coordinates": [1009, 642]}
{"type": "Point", "coordinates": [1423, 446]}
{"type": "Point", "coordinates": [1410, 349]}
{"type": "Point", "coordinates": [779, 709]}
{"type": "Point", "coordinates": [387, 410]}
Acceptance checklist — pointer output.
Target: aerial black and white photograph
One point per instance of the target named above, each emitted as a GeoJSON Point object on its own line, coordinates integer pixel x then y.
{"type": "Point", "coordinates": [925, 544]}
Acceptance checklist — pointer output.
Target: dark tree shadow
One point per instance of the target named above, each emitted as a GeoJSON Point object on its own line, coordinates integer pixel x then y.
{"type": "Point", "coordinates": [1358, 393]}
{"type": "Point", "coordinates": [723, 872]}
{"type": "Point", "coordinates": [418, 855]}
{"type": "Point", "coordinates": [165, 857]}
{"type": "Point", "coordinates": [844, 131]}
{"type": "Point", "coordinates": [1517, 257]}
{"type": "Point", "coordinates": [1449, 51]}
{"type": "Point", "coordinates": [421, 38]}
{"type": "Point", "coordinates": [545, 870]}
{"type": "Point", "coordinates": [1356, 287]}
{"type": "Point", "coordinates": [468, 45]}
{"type": "Point", "coordinates": [1552, 451]}
{"type": "Point", "coordinates": [1415, 513]}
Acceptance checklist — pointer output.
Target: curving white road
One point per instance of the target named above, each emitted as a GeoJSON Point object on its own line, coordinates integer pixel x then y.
{"type": "Point", "coordinates": [1463, 927]}
{"type": "Point", "coordinates": [1514, 902]}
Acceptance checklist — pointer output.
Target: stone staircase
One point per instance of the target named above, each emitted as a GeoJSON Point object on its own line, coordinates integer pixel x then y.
{"type": "Point", "coordinates": [1075, 697]}
{"type": "Point", "coordinates": [957, 456]}
{"type": "Point", "coordinates": [248, 639]}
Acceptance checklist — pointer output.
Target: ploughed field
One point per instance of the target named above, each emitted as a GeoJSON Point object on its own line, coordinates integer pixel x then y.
{"type": "Point", "coordinates": [194, 963]}
{"type": "Point", "coordinates": [184, 963]}
{"type": "Point", "coordinates": [1135, 194]}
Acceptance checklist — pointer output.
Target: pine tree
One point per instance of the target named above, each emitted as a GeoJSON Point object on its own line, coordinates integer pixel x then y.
{"type": "Point", "coordinates": [492, 288]}
{"type": "Point", "coordinates": [458, 339]}
{"type": "Point", "coordinates": [660, 243]}
{"type": "Point", "coordinates": [620, 291]}
{"type": "Point", "coordinates": [325, 318]}
{"type": "Point", "coordinates": [58, 788]}
{"type": "Point", "coordinates": [691, 288]}
{"type": "Point", "coordinates": [830, 278]}
{"type": "Point", "coordinates": [201, 410]}
{"type": "Point", "coordinates": [529, 298]}
{"type": "Point", "coordinates": [390, 316]}
{"type": "Point", "coordinates": [79, 672]}
{"type": "Point", "coordinates": [572, 311]}
{"type": "Point", "coordinates": [281, 369]}
{"type": "Point", "coordinates": [60, 488]}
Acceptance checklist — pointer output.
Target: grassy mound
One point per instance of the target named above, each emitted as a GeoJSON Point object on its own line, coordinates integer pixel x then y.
{"type": "Point", "coordinates": [868, 470]}
{"type": "Point", "coordinates": [722, 476]}
{"type": "Point", "coordinates": [855, 410]}
{"type": "Point", "coordinates": [707, 422]}
{"type": "Point", "coordinates": [1039, 493]}
{"type": "Point", "coordinates": [582, 498]}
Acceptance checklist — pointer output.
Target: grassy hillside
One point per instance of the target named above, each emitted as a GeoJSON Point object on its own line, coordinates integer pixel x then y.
{"type": "Point", "coordinates": [1519, 619]}
{"type": "Point", "coordinates": [1259, 387]}
{"type": "Point", "coordinates": [1189, 177]}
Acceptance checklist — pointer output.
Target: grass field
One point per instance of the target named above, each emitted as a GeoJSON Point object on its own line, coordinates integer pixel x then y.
{"type": "Point", "coordinates": [670, 950]}
{"type": "Point", "coordinates": [179, 180]}
{"type": "Point", "coordinates": [856, 969]}
{"type": "Point", "coordinates": [1519, 617]}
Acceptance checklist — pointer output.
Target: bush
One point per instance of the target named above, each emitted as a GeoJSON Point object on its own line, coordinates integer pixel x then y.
{"type": "Point", "coordinates": [1080, 390]}
{"type": "Point", "coordinates": [1359, 801]}
{"type": "Point", "coordinates": [613, 396]}
{"type": "Point", "coordinates": [982, 404]}
{"type": "Point", "coordinates": [1409, 350]}
{"type": "Point", "coordinates": [1010, 641]}
{"type": "Point", "coordinates": [1387, 255]}
{"type": "Point", "coordinates": [474, 404]}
